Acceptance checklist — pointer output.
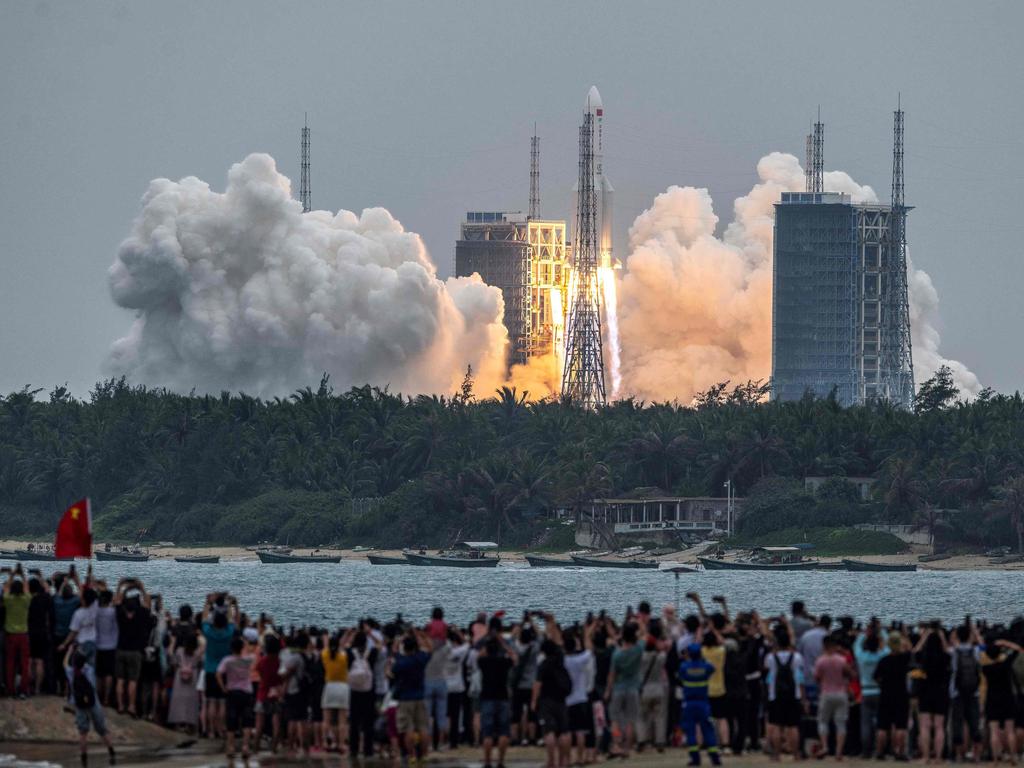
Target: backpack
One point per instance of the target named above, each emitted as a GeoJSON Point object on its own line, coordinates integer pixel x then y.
{"type": "Point", "coordinates": [82, 690]}
{"type": "Point", "coordinates": [561, 683]}
{"type": "Point", "coordinates": [785, 680]}
{"type": "Point", "coordinates": [360, 676]}
{"type": "Point", "coordinates": [968, 674]}
{"type": "Point", "coordinates": [312, 680]}
{"type": "Point", "coordinates": [735, 673]}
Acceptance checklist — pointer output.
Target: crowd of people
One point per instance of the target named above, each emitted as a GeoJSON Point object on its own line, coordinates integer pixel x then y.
{"type": "Point", "coordinates": [600, 687]}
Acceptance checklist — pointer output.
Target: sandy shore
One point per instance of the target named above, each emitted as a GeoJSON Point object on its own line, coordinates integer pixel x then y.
{"type": "Point", "coordinates": [689, 556]}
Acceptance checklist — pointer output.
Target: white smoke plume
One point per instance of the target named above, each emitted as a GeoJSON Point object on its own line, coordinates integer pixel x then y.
{"type": "Point", "coordinates": [695, 309]}
{"type": "Point", "coordinates": [242, 291]}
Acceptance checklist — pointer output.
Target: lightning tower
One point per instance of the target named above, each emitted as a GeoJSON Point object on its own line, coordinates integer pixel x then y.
{"type": "Point", "coordinates": [809, 164]}
{"type": "Point", "coordinates": [583, 375]}
{"type": "Point", "coordinates": [304, 193]}
{"type": "Point", "coordinates": [534, 211]}
{"type": "Point", "coordinates": [818, 156]}
{"type": "Point", "coordinates": [897, 354]}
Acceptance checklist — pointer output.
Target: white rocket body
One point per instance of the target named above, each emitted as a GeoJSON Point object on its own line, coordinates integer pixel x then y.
{"type": "Point", "coordinates": [602, 187]}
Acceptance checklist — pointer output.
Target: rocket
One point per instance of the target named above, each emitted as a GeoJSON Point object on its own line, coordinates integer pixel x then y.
{"type": "Point", "coordinates": [605, 192]}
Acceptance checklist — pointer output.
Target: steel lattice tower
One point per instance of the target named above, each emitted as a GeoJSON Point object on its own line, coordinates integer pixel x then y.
{"type": "Point", "coordinates": [304, 192]}
{"type": "Point", "coordinates": [818, 156]}
{"type": "Point", "coordinates": [583, 377]}
{"type": "Point", "coordinates": [897, 353]}
{"type": "Point", "coordinates": [534, 211]}
{"type": "Point", "coordinates": [809, 164]}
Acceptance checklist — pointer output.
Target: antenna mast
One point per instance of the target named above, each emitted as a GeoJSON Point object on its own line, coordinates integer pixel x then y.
{"type": "Point", "coordinates": [534, 211]}
{"type": "Point", "coordinates": [304, 193]}
{"type": "Point", "coordinates": [818, 152]}
{"type": "Point", "coordinates": [809, 164]}
{"type": "Point", "coordinates": [583, 377]}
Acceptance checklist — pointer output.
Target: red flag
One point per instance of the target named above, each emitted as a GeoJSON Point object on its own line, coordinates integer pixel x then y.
{"type": "Point", "coordinates": [74, 531]}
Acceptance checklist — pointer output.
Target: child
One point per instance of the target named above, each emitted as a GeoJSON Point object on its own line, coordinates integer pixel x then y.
{"type": "Point", "coordinates": [82, 684]}
{"type": "Point", "coordinates": [233, 677]}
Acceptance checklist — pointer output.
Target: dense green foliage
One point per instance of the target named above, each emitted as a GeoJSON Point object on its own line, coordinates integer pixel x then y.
{"type": "Point", "coordinates": [369, 466]}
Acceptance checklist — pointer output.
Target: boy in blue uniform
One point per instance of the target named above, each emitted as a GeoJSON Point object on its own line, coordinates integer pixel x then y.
{"type": "Point", "coordinates": [694, 674]}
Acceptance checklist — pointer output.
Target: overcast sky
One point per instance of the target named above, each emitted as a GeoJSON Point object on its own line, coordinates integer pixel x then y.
{"type": "Point", "coordinates": [426, 108]}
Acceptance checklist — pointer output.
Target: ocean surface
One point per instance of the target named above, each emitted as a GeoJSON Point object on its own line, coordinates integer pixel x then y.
{"type": "Point", "coordinates": [338, 595]}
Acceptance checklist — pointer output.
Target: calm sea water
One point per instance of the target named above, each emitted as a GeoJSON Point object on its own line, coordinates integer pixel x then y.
{"type": "Point", "coordinates": [334, 595]}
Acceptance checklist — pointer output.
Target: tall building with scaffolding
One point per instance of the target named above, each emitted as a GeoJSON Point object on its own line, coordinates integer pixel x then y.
{"type": "Point", "coordinates": [526, 259]}
{"type": "Point", "coordinates": [840, 315]}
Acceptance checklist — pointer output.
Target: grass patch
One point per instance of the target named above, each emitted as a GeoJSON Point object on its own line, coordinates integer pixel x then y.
{"type": "Point", "coordinates": [828, 542]}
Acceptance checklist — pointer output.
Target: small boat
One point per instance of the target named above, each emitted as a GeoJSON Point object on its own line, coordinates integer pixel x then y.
{"type": "Point", "coordinates": [124, 555]}
{"type": "Point", "coordinates": [198, 559]}
{"type": "Point", "coordinates": [277, 550]}
{"type": "Point", "coordinates": [1006, 560]}
{"type": "Point", "coordinates": [26, 555]}
{"type": "Point", "coordinates": [677, 568]}
{"type": "Point", "coordinates": [465, 554]}
{"type": "Point", "coordinates": [593, 562]}
{"type": "Point", "coordinates": [266, 556]}
{"type": "Point", "coordinates": [770, 559]}
{"type": "Point", "coordinates": [933, 558]}
{"type": "Point", "coordinates": [362, 548]}
{"type": "Point", "coordinates": [860, 565]}
{"type": "Point", "coordinates": [385, 560]}
{"type": "Point", "coordinates": [539, 561]}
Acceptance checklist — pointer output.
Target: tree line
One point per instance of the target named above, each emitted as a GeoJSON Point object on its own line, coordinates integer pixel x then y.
{"type": "Point", "coordinates": [236, 468]}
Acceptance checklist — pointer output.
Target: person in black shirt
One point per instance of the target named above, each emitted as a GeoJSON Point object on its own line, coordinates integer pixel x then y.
{"type": "Point", "coordinates": [40, 628]}
{"type": "Point", "coordinates": [495, 662]}
{"type": "Point", "coordinates": [134, 624]}
{"type": "Point", "coordinates": [550, 690]}
{"type": "Point", "coordinates": [893, 698]}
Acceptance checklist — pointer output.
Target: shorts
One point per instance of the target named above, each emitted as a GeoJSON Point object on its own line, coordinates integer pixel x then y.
{"type": "Point", "coordinates": [238, 711]}
{"type": "Point", "coordinates": [212, 689]}
{"type": "Point", "coordinates": [721, 707]}
{"type": "Point", "coordinates": [581, 717]}
{"type": "Point", "coordinates": [785, 714]}
{"type": "Point", "coordinates": [495, 718]}
{"type": "Point", "coordinates": [833, 707]}
{"type": "Point", "coordinates": [95, 716]}
{"type": "Point", "coordinates": [412, 716]}
{"type": "Point", "coordinates": [106, 663]}
{"type": "Point", "coordinates": [932, 701]}
{"type": "Point", "coordinates": [268, 707]}
{"type": "Point", "coordinates": [335, 696]}
{"type": "Point", "coordinates": [296, 708]}
{"type": "Point", "coordinates": [128, 665]}
{"type": "Point", "coordinates": [624, 707]}
{"type": "Point", "coordinates": [38, 646]}
{"type": "Point", "coordinates": [521, 702]}
{"type": "Point", "coordinates": [553, 717]}
{"type": "Point", "coordinates": [894, 712]}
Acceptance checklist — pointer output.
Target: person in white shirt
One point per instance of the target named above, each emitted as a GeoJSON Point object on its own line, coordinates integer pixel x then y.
{"type": "Point", "coordinates": [579, 663]}
{"type": "Point", "coordinates": [106, 645]}
{"type": "Point", "coordinates": [456, 682]}
{"type": "Point", "coordinates": [83, 626]}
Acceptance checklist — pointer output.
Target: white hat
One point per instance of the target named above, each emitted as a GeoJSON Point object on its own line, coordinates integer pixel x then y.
{"type": "Point", "coordinates": [250, 635]}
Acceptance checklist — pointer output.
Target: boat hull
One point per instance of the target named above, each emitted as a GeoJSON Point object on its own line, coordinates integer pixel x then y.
{"type": "Point", "coordinates": [713, 564]}
{"type": "Point", "coordinates": [199, 559]}
{"type": "Point", "coordinates": [860, 565]}
{"type": "Point", "coordinates": [385, 560]}
{"type": "Point", "coordinates": [589, 562]}
{"type": "Point", "coordinates": [452, 562]}
{"type": "Point", "coordinates": [127, 557]}
{"type": "Point", "coordinates": [271, 558]}
{"type": "Point", "coordinates": [26, 556]}
{"type": "Point", "coordinates": [539, 561]}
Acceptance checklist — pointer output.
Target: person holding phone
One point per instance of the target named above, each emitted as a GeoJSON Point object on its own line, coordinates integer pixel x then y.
{"type": "Point", "coordinates": [16, 648]}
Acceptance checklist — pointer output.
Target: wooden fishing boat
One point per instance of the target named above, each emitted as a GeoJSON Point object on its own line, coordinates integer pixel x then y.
{"type": "Point", "coordinates": [28, 555]}
{"type": "Point", "coordinates": [465, 554]}
{"type": "Point", "coordinates": [385, 560]}
{"type": "Point", "coordinates": [122, 555]}
{"type": "Point", "coordinates": [198, 559]}
{"type": "Point", "coordinates": [770, 559]}
{"type": "Point", "coordinates": [593, 562]}
{"type": "Point", "coordinates": [860, 565]}
{"type": "Point", "coordinates": [274, 558]}
{"type": "Point", "coordinates": [539, 561]}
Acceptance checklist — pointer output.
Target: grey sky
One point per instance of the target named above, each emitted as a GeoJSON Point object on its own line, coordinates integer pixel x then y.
{"type": "Point", "coordinates": [426, 109]}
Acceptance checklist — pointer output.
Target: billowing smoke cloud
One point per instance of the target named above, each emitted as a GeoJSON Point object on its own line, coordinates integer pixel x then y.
{"type": "Point", "coordinates": [695, 309]}
{"type": "Point", "coordinates": [242, 291]}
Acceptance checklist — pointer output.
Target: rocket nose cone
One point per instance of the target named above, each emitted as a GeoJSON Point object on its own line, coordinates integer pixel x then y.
{"type": "Point", "coordinates": [593, 100]}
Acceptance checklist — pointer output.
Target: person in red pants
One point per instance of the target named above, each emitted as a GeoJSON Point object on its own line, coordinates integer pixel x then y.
{"type": "Point", "coordinates": [16, 602]}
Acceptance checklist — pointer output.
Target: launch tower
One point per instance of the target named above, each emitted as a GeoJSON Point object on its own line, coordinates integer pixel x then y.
{"type": "Point", "coordinates": [304, 193]}
{"type": "Point", "coordinates": [583, 376]}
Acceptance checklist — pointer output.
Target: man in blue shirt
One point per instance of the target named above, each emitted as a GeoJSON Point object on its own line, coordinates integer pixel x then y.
{"type": "Point", "coordinates": [694, 674]}
{"type": "Point", "coordinates": [408, 672]}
